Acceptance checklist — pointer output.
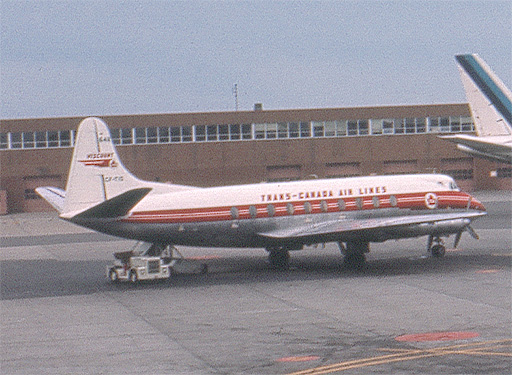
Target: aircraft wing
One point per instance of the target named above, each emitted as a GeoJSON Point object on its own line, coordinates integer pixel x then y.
{"type": "Point", "coordinates": [380, 226]}
{"type": "Point", "coordinates": [479, 143]}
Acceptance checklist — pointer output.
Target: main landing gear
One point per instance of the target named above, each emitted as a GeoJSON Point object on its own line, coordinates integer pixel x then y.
{"type": "Point", "coordinates": [279, 258]}
{"type": "Point", "coordinates": [354, 254]}
{"type": "Point", "coordinates": [436, 247]}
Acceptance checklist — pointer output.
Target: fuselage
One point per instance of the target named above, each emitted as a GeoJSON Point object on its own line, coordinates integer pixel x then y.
{"type": "Point", "coordinates": [237, 216]}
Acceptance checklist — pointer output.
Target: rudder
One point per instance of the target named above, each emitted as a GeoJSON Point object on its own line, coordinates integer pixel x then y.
{"type": "Point", "coordinates": [96, 173]}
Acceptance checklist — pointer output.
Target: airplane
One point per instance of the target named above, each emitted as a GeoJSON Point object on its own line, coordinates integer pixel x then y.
{"type": "Point", "coordinates": [490, 102]}
{"type": "Point", "coordinates": [101, 194]}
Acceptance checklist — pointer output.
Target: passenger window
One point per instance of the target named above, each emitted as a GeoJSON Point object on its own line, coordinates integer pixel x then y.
{"type": "Point", "coordinates": [359, 203]}
{"type": "Point", "coordinates": [253, 212]}
{"type": "Point", "coordinates": [271, 210]}
{"type": "Point", "coordinates": [290, 208]}
{"type": "Point", "coordinates": [376, 202]}
{"type": "Point", "coordinates": [393, 201]}
{"type": "Point", "coordinates": [307, 207]}
{"type": "Point", "coordinates": [324, 206]}
{"type": "Point", "coordinates": [234, 213]}
{"type": "Point", "coordinates": [341, 205]}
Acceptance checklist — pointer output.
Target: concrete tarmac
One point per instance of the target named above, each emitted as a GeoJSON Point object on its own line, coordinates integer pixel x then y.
{"type": "Point", "coordinates": [404, 313]}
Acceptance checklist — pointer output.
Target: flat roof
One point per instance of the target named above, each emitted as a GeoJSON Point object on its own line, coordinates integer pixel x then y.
{"type": "Point", "coordinates": [241, 117]}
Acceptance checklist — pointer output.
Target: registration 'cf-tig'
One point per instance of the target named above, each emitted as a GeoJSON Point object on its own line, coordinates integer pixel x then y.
{"type": "Point", "coordinates": [102, 195]}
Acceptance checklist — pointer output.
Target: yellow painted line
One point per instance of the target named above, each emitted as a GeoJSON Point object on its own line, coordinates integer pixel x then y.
{"type": "Point", "coordinates": [479, 348]}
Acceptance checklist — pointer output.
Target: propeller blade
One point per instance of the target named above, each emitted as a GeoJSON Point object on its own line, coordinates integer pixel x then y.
{"type": "Point", "coordinates": [430, 241]}
{"type": "Point", "coordinates": [472, 232]}
{"type": "Point", "coordinates": [457, 240]}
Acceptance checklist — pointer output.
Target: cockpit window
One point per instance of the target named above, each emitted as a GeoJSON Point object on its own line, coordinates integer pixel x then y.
{"type": "Point", "coordinates": [453, 186]}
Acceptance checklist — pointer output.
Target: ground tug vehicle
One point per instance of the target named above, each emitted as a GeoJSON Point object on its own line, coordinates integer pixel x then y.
{"type": "Point", "coordinates": [151, 262]}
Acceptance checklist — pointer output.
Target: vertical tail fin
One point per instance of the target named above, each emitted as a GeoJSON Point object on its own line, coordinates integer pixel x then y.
{"type": "Point", "coordinates": [490, 100]}
{"type": "Point", "coordinates": [96, 173]}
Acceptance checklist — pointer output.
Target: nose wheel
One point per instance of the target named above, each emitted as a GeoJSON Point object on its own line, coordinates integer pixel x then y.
{"type": "Point", "coordinates": [436, 247]}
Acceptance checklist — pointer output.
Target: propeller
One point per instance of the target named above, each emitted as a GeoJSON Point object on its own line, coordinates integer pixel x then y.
{"type": "Point", "coordinates": [468, 229]}
{"type": "Point", "coordinates": [457, 239]}
{"type": "Point", "coordinates": [472, 232]}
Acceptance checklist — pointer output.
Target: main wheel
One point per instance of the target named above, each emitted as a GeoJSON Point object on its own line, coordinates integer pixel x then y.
{"type": "Point", "coordinates": [354, 254]}
{"type": "Point", "coordinates": [438, 251]}
{"type": "Point", "coordinates": [113, 276]}
{"type": "Point", "coordinates": [354, 261]}
{"type": "Point", "coordinates": [279, 259]}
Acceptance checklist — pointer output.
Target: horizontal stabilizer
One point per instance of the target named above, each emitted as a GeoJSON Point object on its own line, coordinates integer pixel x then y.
{"type": "Point", "coordinates": [115, 207]}
{"type": "Point", "coordinates": [53, 195]}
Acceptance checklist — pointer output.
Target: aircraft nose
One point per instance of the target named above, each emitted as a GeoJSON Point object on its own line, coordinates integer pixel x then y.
{"type": "Point", "coordinates": [475, 204]}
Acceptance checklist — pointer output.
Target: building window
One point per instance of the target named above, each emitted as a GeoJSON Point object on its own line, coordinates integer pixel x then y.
{"type": "Point", "coordinates": [376, 126]}
{"type": "Point", "coordinates": [259, 131]}
{"type": "Point", "coordinates": [399, 126]}
{"type": "Point", "coordinates": [28, 140]}
{"type": "Point", "coordinates": [212, 133]}
{"type": "Point", "coordinates": [224, 133]}
{"type": "Point", "coordinates": [455, 124]}
{"type": "Point", "coordinates": [293, 129]}
{"type": "Point", "coordinates": [504, 172]}
{"type": "Point", "coordinates": [410, 125]}
{"type": "Point", "coordinates": [31, 194]}
{"type": "Point", "coordinates": [460, 174]}
{"type": "Point", "coordinates": [318, 129]}
{"type": "Point", "coordinates": [247, 131]}
{"type": "Point", "coordinates": [282, 130]}
{"type": "Point", "coordinates": [65, 138]}
{"type": "Point", "coordinates": [234, 132]}
{"type": "Point", "coordinates": [41, 140]}
{"type": "Point", "coordinates": [199, 133]}
{"type": "Point", "coordinates": [140, 135]}
{"type": "Point", "coordinates": [388, 126]}
{"type": "Point", "coordinates": [466, 124]}
{"type": "Point", "coordinates": [152, 135]}
{"type": "Point", "coordinates": [305, 129]}
{"type": "Point", "coordinates": [4, 141]}
{"type": "Point", "coordinates": [352, 128]}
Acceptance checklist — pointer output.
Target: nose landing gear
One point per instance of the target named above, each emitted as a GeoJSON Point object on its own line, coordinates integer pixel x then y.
{"type": "Point", "coordinates": [436, 247]}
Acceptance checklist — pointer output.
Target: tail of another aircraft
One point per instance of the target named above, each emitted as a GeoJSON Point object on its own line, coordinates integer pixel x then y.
{"type": "Point", "coordinates": [490, 100]}
{"type": "Point", "coordinates": [98, 183]}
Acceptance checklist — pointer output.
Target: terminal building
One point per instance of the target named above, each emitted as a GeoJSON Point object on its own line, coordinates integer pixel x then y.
{"type": "Point", "coordinates": [224, 148]}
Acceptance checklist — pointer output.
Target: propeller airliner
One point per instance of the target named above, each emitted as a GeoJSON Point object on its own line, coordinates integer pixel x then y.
{"type": "Point", "coordinates": [101, 194]}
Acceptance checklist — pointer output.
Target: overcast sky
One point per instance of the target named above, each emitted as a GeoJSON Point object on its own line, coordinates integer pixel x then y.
{"type": "Point", "coordinates": [81, 58]}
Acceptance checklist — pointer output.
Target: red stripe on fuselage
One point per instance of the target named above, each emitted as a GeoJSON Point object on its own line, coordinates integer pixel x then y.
{"type": "Point", "coordinates": [207, 214]}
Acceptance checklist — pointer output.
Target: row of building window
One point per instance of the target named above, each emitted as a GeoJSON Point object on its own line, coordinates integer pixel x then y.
{"type": "Point", "coordinates": [240, 132]}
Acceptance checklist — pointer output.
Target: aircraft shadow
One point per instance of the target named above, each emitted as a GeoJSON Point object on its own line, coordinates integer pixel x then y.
{"type": "Point", "coordinates": [49, 278]}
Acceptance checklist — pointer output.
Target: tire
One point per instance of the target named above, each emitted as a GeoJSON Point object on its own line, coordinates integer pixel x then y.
{"type": "Point", "coordinates": [438, 251]}
{"type": "Point", "coordinates": [279, 259]}
{"type": "Point", "coordinates": [113, 276]}
{"type": "Point", "coordinates": [354, 261]}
